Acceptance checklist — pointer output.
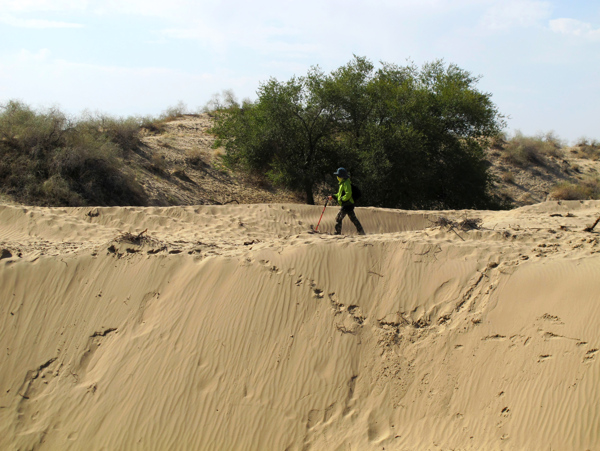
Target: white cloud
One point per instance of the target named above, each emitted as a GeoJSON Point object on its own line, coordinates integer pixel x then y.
{"type": "Point", "coordinates": [26, 57]}
{"type": "Point", "coordinates": [36, 23]}
{"type": "Point", "coordinates": [516, 13]}
{"type": "Point", "coordinates": [573, 27]}
{"type": "Point", "coordinates": [42, 5]}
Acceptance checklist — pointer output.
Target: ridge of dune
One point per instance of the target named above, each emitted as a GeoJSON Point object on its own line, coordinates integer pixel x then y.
{"type": "Point", "coordinates": [232, 327]}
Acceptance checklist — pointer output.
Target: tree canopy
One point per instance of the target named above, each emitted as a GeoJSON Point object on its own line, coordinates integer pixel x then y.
{"type": "Point", "coordinates": [412, 137]}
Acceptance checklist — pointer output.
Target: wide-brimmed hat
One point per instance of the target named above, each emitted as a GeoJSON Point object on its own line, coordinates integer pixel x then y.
{"type": "Point", "coordinates": [341, 172]}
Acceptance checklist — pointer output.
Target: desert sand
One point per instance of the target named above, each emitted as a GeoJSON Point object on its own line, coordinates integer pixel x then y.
{"type": "Point", "coordinates": [234, 328]}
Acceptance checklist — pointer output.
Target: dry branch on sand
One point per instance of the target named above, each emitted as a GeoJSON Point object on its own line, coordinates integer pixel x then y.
{"type": "Point", "coordinates": [139, 239]}
{"type": "Point", "coordinates": [591, 228]}
{"type": "Point", "coordinates": [470, 224]}
{"type": "Point", "coordinates": [465, 225]}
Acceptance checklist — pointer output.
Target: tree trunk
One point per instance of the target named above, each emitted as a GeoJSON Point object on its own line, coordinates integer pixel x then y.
{"type": "Point", "coordinates": [310, 200]}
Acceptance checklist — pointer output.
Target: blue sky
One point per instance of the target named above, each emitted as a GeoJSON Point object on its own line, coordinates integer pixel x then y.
{"type": "Point", "coordinates": [539, 59]}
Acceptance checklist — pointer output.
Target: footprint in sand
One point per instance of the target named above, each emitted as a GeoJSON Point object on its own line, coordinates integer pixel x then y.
{"type": "Point", "coordinates": [378, 427]}
{"type": "Point", "coordinates": [275, 270]}
{"type": "Point", "coordinates": [590, 355]}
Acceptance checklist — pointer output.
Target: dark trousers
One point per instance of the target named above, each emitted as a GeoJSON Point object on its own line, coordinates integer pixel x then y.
{"type": "Point", "coordinates": [347, 210]}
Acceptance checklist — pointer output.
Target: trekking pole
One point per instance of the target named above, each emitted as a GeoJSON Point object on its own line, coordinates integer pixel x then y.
{"type": "Point", "coordinates": [317, 227]}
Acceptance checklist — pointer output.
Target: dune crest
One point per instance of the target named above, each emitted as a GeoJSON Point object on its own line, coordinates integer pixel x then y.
{"type": "Point", "coordinates": [232, 327]}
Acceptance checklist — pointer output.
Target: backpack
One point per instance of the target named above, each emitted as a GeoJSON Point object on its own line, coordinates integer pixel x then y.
{"type": "Point", "coordinates": [356, 192]}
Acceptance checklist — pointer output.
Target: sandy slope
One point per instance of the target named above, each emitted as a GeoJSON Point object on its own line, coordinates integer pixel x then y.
{"type": "Point", "coordinates": [231, 327]}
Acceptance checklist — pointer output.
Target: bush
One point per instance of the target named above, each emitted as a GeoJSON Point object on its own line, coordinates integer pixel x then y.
{"type": "Point", "coordinates": [48, 159]}
{"type": "Point", "coordinates": [586, 148]}
{"type": "Point", "coordinates": [226, 100]}
{"type": "Point", "coordinates": [508, 177]}
{"type": "Point", "coordinates": [158, 164]}
{"type": "Point", "coordinates": [173, 112]}
{"type": "Point", "coordinates": [157, 124]}
{"type": "Point", "coordinates": [152, 124]}
{"type": "Point", "coordinates": [523, 151]}
{"type": "Point", "coordinates": [195, 157]}
{"type": "Point", "coordinates": [587, 189]}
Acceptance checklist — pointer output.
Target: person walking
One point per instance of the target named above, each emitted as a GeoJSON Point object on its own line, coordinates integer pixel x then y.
{"type": "Point", "coordinates": [345, 200]}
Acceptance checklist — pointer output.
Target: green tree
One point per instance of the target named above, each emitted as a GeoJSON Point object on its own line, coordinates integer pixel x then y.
{"type": "Point", "coordinates": [426, 138]}
{"type": "Point", "coordinates": [413, 137]}
{"type": "Point", "coordinates": [289, 132]}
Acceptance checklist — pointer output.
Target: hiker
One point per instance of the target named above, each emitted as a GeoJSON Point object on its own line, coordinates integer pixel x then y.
{"type": "Point", "coordinates": [344, 198]}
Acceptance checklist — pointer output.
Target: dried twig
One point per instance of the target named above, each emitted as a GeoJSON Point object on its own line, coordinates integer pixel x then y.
{"type": "Point", "coordinates": [465, 225]}
{"type": "Point", "coordinates": [470, 224]}
{"type": "Point", "coordinates": [373, 272]}
{"type": "Point", "coordinates": [446, 223]}
{"type": "Point", "coordinates": [135, 239]}
{"type": "Point", "coordinates": [591, 229]}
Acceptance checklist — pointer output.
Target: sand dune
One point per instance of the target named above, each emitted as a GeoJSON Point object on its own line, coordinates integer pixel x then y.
{"type": "Point", "coordinates": [233, 328]}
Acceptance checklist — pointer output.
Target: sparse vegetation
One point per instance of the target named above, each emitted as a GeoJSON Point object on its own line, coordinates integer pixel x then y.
{"type": "Point", "coordinates": [47, 158]}
{"type": "Point", "coordinates": [584, 190]}
{"type": "Point", "coordinates": [524, 151]}
{"type": "Point", "coordinates": [195, 158]}
{"type": "Point", "coordinates": [586, 148]}
{"type": "Point", "coordinates": [225, 100]}
{"type": "Point", "coordinates": [508, 177]}
{"type": "Point", "coordinates": [157, 125]}
{"type": "Point", "coordinates": [175, 111]}
{"type": "Point", "coordinates": [158, 164]}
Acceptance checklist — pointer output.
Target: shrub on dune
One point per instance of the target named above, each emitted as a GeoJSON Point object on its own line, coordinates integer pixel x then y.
{"type": "Point", "coordinates": [47, 158]}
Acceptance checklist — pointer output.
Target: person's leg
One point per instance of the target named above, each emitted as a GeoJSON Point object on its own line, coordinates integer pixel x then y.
{"type": "Point", "coordinates": [356, 222]}
{"type": "Point", "coordinates": [338, 221]}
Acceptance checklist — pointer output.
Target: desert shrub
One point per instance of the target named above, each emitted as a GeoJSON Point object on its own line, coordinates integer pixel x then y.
{"type": "Point", "coordinates": [586, 189]}
{"type": "Point", "coordinates": [526, 198]}
{"type": "Point", "coordinates": [158, 124]}
{"type": "Point", "coordinates": [24, 130]}
{"type": "Point", "coordinates": [122, 131]}
{"type": "Point", "coordinates": [195, 157]}
{"type": "Point", "coordinates": [498, 141]}
{"type": "Point", "coordinates": [59, 191]}
{"type": "Point", "coordinates": [175, 111]}
{"type": "Point", "coordinates": [225, 100]}
{"type": "Point", "coordinates": [508, 177]}
{"type": "Point", "coordinates": [152, 124]}
{"type": "Point", "coordinates": [49, 159]}
{"type": "Point", "coordinates": [158, 164]}
{"type": "Point", "coordinates": [554, 144]}
{"type": "Point", "coordinates": [586, 148]}
{"type": "Point", "coordinates": [590, 152]}
{"type": "Point", "coordinates": [523, 151]}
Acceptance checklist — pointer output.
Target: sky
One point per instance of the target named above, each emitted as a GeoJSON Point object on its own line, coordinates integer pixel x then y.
{"type": "Point", "coordinates": [539, 59]}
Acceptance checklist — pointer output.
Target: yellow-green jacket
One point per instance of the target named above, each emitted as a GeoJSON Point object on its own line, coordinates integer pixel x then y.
{"type": "Point", "coordinates": [344, 194]}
